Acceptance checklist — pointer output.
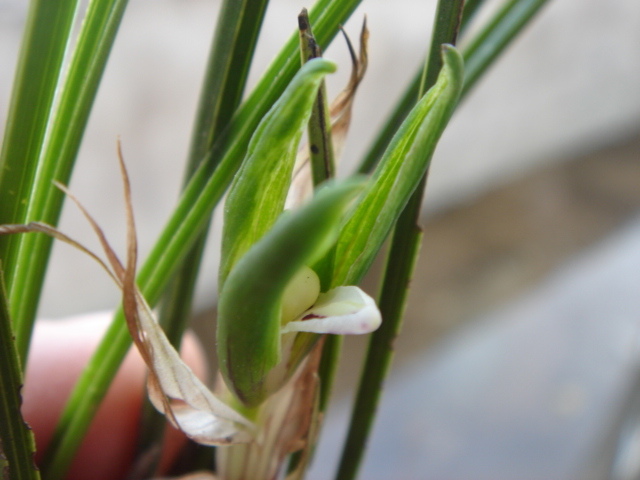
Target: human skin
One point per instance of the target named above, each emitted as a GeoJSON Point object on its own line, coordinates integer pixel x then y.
{"type": "Point", "coordinates": [59, 351]}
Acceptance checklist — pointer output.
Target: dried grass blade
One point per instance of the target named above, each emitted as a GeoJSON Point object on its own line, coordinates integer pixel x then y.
{"type": "Point", "coordinates": [307, 406]}
{"type": "Point", "coordinates": [173, 388]}
{"type": "Point", "coordinates": [38, 227]}
{"type": "Point", "coordinates": [114, 261]}
{"type": "Point", "coordinates": [341, 107]}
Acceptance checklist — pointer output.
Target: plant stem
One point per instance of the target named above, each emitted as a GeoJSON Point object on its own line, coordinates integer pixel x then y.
{"type": "Point", "coordinates": [403, 254]}
{"type": "Point", "coordinates": [321, 155]}
{"type": "Point", "coordinates": [320, 144]}
{"type": "Point", "coordinates": [46, 36]}
{"type": "Point", "coordinates": [379, 354]}
{"type": "Point", "coordinates": [445, 30]}
{"type": "Point", "coordinates": [17, 445]}
{"type": "Point", "coordinates": [185, 225]}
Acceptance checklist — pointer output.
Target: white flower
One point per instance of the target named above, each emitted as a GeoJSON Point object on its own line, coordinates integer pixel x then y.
{"type": "Point", "coordinates": [341, 311]}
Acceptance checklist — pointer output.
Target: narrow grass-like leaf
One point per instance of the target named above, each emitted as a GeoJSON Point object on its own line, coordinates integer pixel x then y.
{"type": "Point", "coordinates": [45, 39]}
{"type": "Point", "coordinates": [44, 42]}
{"type": "Point", "coordinates": [181, 231]}
{"type": "Point", "coordinates": [398, 174]}
{"type": "Point", "coordinates": [29, 253]}
{"type": "Point", "coordinates": [250, 302]}
{"type": "Point", "coordinates": [17, 445]}
{"type": "Point", "coordinates": [401, 261]}
{"type": "Point", "coordinates": [260, 187]}
{"type": "Point", "coordinates": [233, 46]}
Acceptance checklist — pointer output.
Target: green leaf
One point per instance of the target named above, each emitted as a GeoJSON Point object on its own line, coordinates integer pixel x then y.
{"type": "Point", "coordinates": [17, 445]}
{"type": "Point", "coordinates": [49, 26]}
{"type": "Point", "coordinates": [44, 42]}
{"type": "Point", "coordinates": [398, 174]}
{"type": "Point", "coordinates": [250, 301]}
{"type": "Point", "coordinates": [260, 187]}
{"type": "Point", "coordinates": [27, 261]}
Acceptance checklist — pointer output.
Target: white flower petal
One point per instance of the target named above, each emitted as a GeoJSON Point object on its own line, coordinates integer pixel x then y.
{"type": "Point", "coordinates": [181, 396]}
{"type": "Point", "coordinates": [341, 311]}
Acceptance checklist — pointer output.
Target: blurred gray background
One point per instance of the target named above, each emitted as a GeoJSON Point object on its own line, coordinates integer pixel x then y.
{"type": "Point", "coordinates": [534, 191]}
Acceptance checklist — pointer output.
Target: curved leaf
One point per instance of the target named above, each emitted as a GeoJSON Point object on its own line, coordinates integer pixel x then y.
{"type": "Point", "coordinates": [259, 189]}
{"type": "Point", "coordinates": [398, 174]}
{"type": "Point", "coordinates": [249, 309]}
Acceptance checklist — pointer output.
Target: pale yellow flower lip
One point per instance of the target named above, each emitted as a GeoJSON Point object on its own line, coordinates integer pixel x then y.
{"type": "Point", "coordinates": [341, 311]}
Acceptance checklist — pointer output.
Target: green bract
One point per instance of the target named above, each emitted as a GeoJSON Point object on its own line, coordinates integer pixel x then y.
{"type": "Point", "coordinates": [398, 174]}
{"type": "Point", "coordinates": [249, 310]}
{"type": "Point", "coordinates": [260, 187]}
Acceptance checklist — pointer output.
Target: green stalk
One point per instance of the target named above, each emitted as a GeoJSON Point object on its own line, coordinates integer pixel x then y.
{"type": "Point", "coordinates": [232, 49]}
{"type": "Point", "coordinates": [320, 144]}
{"type": "Point", "coordinates": [403, 254]}
{"type": "Point", "coordinates": [479, 54]}
{"type": "Point", "coordinates": [379, 353]}
{"type": "Point", "coordinates": [321, 155]}
{"type": "Point", "coordinates": [183, 228]}
{"type": "Point", "coordinates": [17, 445]}
{"type": "Point", "coordinates": [45, 40]}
